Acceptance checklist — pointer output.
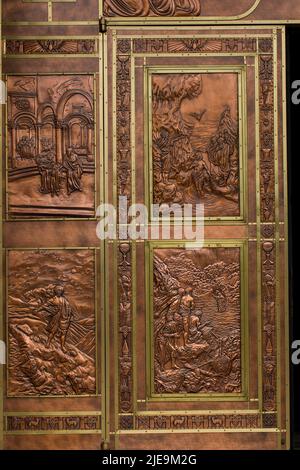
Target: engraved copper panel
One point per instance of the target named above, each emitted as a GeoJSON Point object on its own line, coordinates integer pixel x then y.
{"type": "Point", "coordinates": [51, 145]}
{"type": "Point", "coordinates": [197, 321]}
{"type": "Point", "coordinates": [51, 323]}
{"type": "Point", "coordinates": [196, 142]}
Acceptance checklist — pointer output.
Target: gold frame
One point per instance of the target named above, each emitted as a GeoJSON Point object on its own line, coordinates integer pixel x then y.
{"type": "Point", "coordinates": [49, 55]}
{"type": "Point", "coordinates": [199, 397]}
{"type": "Point", "coordinates": [103, 136]}
{"type": "Point", "coordinates": [272, 33]}
{"type": "Point", "coordinates": [2, 273]}
{"type": "Point", "coordinates": [241, 72]}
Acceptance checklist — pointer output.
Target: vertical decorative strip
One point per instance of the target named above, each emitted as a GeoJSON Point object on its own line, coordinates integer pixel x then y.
{"type": "Point", "coordinates": [277, 237]}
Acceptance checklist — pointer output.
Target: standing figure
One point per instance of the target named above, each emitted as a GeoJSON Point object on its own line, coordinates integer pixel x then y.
{"type": "Point", "coordinates": [74, 170]}
{"type": "Point", "coordinates": [220, 297]}
{"type": "Point", "coordinates": [55, 180]}
{"type": "Point", "coordinates": [200, 174]}
{"type": "Point", "coordinates": [45, 162]}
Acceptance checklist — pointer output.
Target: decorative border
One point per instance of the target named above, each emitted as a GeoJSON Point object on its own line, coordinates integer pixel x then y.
{"type": "Point", "coordinates": [268, 123]}
{"type": "Point", "coordinates": [22, 47]}
{"type": "Point", "coordinates": [122, 164]}
{"type": "Point", "coordinates": [209, 422]}
{"type": "Point", "coordinates": [54, 423]}
{"type": "Point", "coordinates": [199, 397]}
{"type": "Point", "coordinates": [192, 45]}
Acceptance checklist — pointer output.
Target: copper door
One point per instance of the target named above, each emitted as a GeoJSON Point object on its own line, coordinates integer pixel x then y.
{"type": "Point", "coordinates": [155, 343]}
{"type": "Point", "coordinates": [198, 333]}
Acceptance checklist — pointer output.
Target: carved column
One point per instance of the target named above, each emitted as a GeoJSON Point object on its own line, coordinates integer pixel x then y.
{"type": "Point", "coordinates": [58, 134]}
{"type": "Point", "coordinates": [90, 139]}
{"type": "Point", "coordinates": [13, 145]}
{"type": "Point", "coordinates": [38, 138]}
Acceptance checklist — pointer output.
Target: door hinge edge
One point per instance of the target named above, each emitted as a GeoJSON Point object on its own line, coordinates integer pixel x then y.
{"type": "Point", "coordinates": [102, 25]}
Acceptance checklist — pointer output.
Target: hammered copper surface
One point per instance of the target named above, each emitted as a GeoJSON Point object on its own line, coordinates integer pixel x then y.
{"type": "Point", "coordinates": [195, 139]}
{"type": "Point", "coordinates": [197, 321]}
{"type": "Point", "coordinates": [196, 309]}
{"type": "Point", "coordinates": [51, 145]}
{"type": "Point", "coordinates": [51, 323]}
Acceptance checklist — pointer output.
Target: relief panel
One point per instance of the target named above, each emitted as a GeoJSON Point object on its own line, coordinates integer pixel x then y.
{"type": "Point", "coordinates": [197, 141]}
{"type": "Point", "coordinates": [196, 321]}
{"type": "Point", "coordinates": [51, 163]}
{"type": "Point", "coordinates": [171, 8]}
{"type": "Point", "coordinates": [51, 323]}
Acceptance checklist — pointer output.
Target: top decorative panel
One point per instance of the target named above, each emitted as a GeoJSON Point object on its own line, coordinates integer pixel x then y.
{"type": "Point", "coordinates": [179, 8]}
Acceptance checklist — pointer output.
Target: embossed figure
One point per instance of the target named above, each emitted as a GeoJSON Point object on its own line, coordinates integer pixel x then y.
{"type": "Point", "coordinates": [220, 296]}
{"type": "Point", "coordinates": [26, 147]}
{"type": "Point", "coordinates": [201, 176]}
{"type": "Point", "coordinates": [186, 308]}
{"type": "Point", "coordinates": [74, 171]}
{"type": "Point", "coordinates": [170, 336]}
{"type": "Point", "coordinates": [195, 326]}
{"type": "Point", "coordinates": [55, 176]}
{"type": "Point", "coordinates": [61, 312]}
{"type": "Point", "coordinates": [170, 333]}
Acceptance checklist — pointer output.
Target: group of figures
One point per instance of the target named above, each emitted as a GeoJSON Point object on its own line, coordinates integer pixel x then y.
{"type": "Point", "coordinates": [152, 7]}
{"type": "Point", "coordinates": [53, 173]}
{"type": "Point", "coordinates": [194, 160]}
{"type": "Point", "coordinates": [194, 351]}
